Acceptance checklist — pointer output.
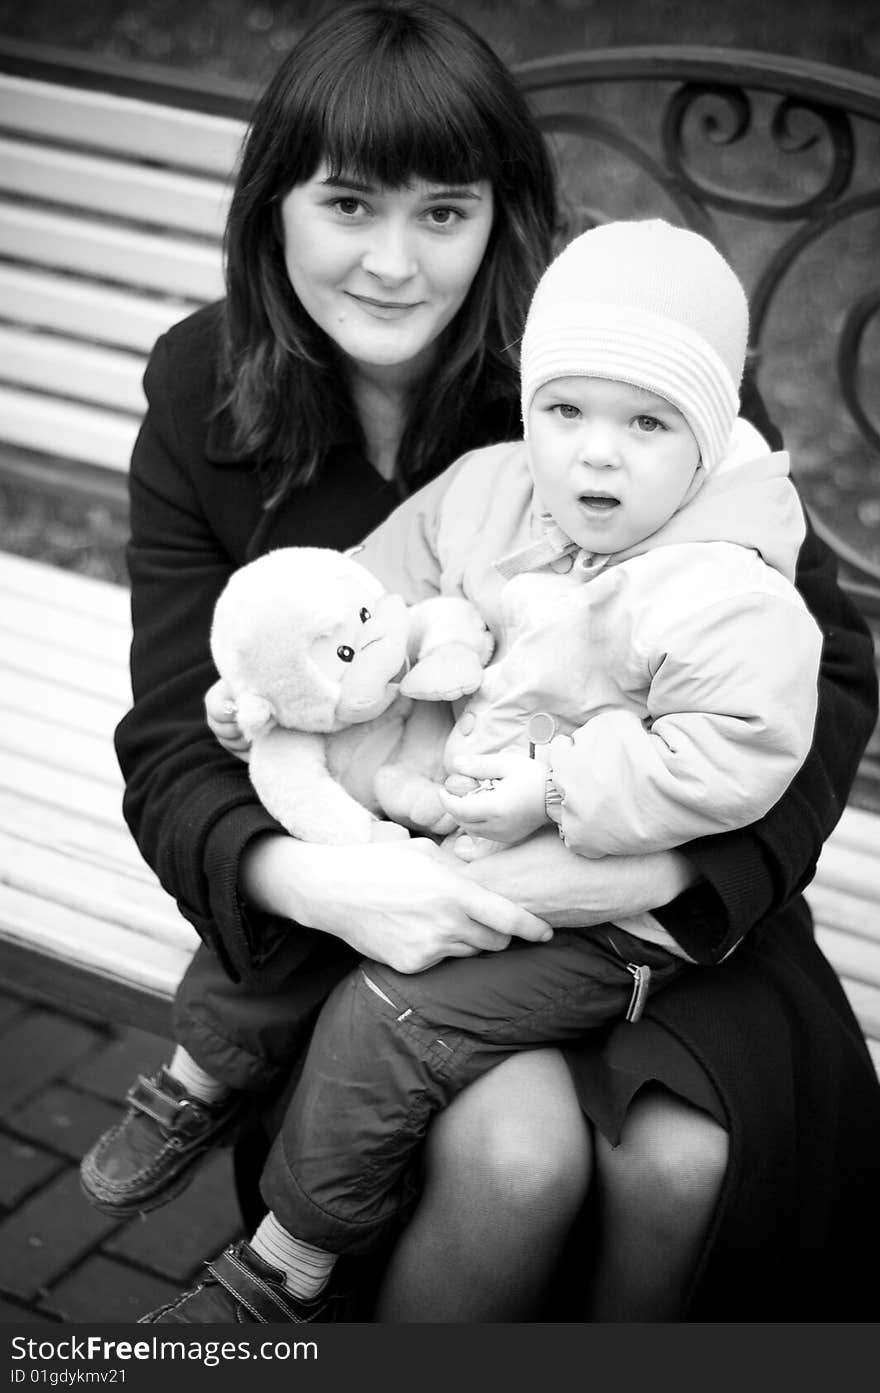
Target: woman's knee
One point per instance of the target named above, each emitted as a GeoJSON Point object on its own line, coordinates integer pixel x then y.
{"type": "Point", "coordinates": [517, 1136]}
{"type": "Point", "coordinates": [671, 1154]}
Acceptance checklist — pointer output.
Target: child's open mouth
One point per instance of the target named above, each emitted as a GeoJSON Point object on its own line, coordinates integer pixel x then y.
{"type": "Point", "coordinates": [599, 502]}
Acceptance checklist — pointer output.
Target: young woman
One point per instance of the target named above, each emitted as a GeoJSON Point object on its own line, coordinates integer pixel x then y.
{"type": "Point", "coordinates": [377, 278]}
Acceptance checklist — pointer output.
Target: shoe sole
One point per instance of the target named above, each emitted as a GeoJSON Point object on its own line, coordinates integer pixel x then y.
{"type": "Point", "coordinates": [170, 1188]}
{"type": "Point", "coordinates": [147, 1203]}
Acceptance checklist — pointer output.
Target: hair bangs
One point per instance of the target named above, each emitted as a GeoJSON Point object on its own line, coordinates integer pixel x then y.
{"type": "Point", "coordinates": [397, 122]}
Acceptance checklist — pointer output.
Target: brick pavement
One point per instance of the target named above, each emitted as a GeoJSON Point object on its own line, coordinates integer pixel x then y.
{"type": "Point", "coordinates": [62, 1078]}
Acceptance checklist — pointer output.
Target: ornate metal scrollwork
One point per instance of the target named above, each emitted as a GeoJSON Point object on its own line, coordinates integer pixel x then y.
{"type": "Point", "coordinates": [729, 118]}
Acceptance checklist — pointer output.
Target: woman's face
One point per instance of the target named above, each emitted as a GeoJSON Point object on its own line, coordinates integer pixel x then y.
{"type": "Point", "coordinates": [383, 271]}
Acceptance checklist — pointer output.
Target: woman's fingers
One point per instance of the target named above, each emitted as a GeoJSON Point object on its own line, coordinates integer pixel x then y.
{"type": "Point", "coordinates": [491, 911]}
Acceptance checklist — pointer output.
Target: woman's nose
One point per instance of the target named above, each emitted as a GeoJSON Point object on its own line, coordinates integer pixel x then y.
{"type": "Point", "coordinates": [389, 256]}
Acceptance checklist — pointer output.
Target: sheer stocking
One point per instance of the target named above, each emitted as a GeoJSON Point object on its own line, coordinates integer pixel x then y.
{"type": "Point", "coordinates": [504, 1183]}
{"type": "Point", "coordinates": [656, 1193]}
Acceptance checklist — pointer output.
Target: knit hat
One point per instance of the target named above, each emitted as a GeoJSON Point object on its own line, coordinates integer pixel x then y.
{"type": "Point", "coordinates": [649, 304]}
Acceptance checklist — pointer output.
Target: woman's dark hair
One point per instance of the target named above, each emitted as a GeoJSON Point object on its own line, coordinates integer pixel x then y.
{"type": "Point", "coordinates": [441, 107]}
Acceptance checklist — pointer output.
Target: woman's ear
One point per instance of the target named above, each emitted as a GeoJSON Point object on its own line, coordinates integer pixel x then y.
{"type": "Point", "coordinates": [255, 715]}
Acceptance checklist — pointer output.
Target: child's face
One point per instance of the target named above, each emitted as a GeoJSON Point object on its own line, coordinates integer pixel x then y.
{"type": "Point", "coordinates": [611, 463]}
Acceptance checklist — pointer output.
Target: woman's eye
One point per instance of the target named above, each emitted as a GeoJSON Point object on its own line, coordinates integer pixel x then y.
{"type": "Point", "coordinates": [345, 653]}
{"type": "Point", "coordinates": [348, 207]}
{"type": "Point", "coordinates": [444, 217]}
{"type": "Point", "coordinates": [365, 615]}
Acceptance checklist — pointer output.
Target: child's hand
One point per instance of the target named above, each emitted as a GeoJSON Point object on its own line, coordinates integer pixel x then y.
{"type": "Point", "coordinates": [222, 721]}
{"type": "Point", "coordinates": [508, 802]}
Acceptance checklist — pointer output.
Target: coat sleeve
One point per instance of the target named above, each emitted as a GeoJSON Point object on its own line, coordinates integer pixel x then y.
{"type": "Point", "coordinates": [727, 728]}
{"type": "Point", "coordinates": [189, 804]}
{"type": "Point", "coordinates": [747, 876]}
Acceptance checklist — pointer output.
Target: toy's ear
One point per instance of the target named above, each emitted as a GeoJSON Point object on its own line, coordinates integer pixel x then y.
{"type": "Point", "coordinates": [255, 714]}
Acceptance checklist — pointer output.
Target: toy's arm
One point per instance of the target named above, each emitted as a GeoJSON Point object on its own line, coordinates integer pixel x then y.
{"type": "Point", "coordinates": [449, 645]}
{"type": "Point", "coordinates": [288, 770]}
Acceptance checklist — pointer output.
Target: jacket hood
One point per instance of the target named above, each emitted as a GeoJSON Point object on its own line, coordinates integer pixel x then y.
{"type": "Point", "coordinates": [748, 500]}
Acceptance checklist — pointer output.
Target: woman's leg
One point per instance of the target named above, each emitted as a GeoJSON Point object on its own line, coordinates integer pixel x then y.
{"type": "Point", "coordinates": [507, 1168]}
{"type": "Point", "coordinates": [656, 1195]}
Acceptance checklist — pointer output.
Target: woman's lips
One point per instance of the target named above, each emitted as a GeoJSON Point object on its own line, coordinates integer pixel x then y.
{"type": "Point", "coordinates": [384, 309]}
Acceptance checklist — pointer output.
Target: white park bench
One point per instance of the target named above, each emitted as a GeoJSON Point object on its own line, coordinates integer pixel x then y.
{"type": "Point", "coordinates": [113, 187]}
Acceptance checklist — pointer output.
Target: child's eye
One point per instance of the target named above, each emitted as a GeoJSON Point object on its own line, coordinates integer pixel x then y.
{"type": "Point", "coordinates": [567, 411]}
{"type": "Point", "coordinates": [365, 614]}
{"type": "Point", "coordinates": [345, 653]}
{"type": "Point", "coordinates": [649, 424]}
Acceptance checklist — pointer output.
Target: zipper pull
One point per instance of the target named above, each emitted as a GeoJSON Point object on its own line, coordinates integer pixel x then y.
{"type": "Point", "coordinates": [641, 975]}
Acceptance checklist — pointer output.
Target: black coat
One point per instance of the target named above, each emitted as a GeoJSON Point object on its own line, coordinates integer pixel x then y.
{"type": "Point", "coordinates": [771, 1028]}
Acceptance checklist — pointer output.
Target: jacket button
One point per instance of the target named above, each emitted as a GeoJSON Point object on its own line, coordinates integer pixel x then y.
{"type": "Point", "coordinates": [467, 723]}
{"type": "Point", "coordinates": [562, 564]}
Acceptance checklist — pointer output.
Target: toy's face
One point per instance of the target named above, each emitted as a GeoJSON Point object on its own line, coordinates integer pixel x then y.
{"type": "Point", "coordinates": [364, 654]}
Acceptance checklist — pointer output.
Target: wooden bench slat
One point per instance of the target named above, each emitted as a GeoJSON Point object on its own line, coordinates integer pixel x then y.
{"type": "Point", "coordinates": [834, 908]}
{"type": "Point", "coordinates": [75, 833]}
{"type": "Point", "coordinates": [136, 129]}
{"type": "Point", "coordinates": [98, 313]}
{"type": "Point", "coordinates": [83, 672]}
{"type": "Point", "coordinates": [69, 591]}
{"type": "Point", "coordinates": [111, 950]}
{"type": "Point", "coordinates": [60, 748]}
{"type": "Point", "coordinates": [66, 429]}
{"type": "Point", "coordinates": [857, 830]}
{"type": "Point", "coordinates": [59, 788]}
{"type": "Point", "coordinates": [852, 956]}
{"type": "Point", "coordinates": [865, 1001]}
{"type": "Point", "coordinates": [89, 712]}
{"type": "Point", "coordinates": [170, 265]}
{"type": "Point", "coordinates": [140, 905]}
{"type": "Point", "coordinates": [82, 634]}
{"type": "Point", "coordinates": [117, 188]}
{"type": "Point", "coordinates": [107, 377]}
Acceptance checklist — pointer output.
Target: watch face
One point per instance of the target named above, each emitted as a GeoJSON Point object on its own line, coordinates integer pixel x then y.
{"type": "Point", "coordinates": [541, 728]}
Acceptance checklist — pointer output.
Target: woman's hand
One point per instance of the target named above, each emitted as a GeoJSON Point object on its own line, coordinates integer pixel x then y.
{"type": "Point", "coordinates": [571, 891]}
{"type": "Point", "coordinates": [407, 904]}
{"type": "Point", "coordinates": [222, 721]}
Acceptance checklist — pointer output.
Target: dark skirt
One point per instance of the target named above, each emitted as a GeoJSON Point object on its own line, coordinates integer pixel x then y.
{"type": "Point", "coordinates": [768, 1045]}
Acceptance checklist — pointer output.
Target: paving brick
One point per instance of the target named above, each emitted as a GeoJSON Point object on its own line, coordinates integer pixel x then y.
{"type": "Point", "coordinates": [105, 1291]}
{"type": "Point", "coordinates": [174, 1240]}
{"type": "Point", "coordinates": [65, 1119]}
{"type": "Point", "coordinates": [11, 1314]}
{"type": "Point", "coordinates": [38, 1048]}
{"type": "Point", "coordinates": [112, 1070]}
{"type": "Point", "coordinates": [22, 1168]}
{"type": "Point", "coordinates": [49, 1232]}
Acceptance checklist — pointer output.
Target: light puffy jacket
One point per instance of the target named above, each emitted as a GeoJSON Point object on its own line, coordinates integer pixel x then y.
{"type": "Point", "coordinates": [681, 674]}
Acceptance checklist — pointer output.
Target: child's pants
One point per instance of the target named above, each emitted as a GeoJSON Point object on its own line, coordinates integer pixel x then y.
{"type": "Point", "coordinates": [247, 1035]}
{"type": "Point", "coordinates": [390, 1050]}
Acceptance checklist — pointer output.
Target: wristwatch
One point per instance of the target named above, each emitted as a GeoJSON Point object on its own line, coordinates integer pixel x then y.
{"type": "Point", "coordinates": [553, 802]}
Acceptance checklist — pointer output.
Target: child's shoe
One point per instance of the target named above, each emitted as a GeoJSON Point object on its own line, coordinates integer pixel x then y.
{"type": "Point", "coordinates": [150, 1156]}
{"type": "Point", "coordinates": [241, 1289]}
